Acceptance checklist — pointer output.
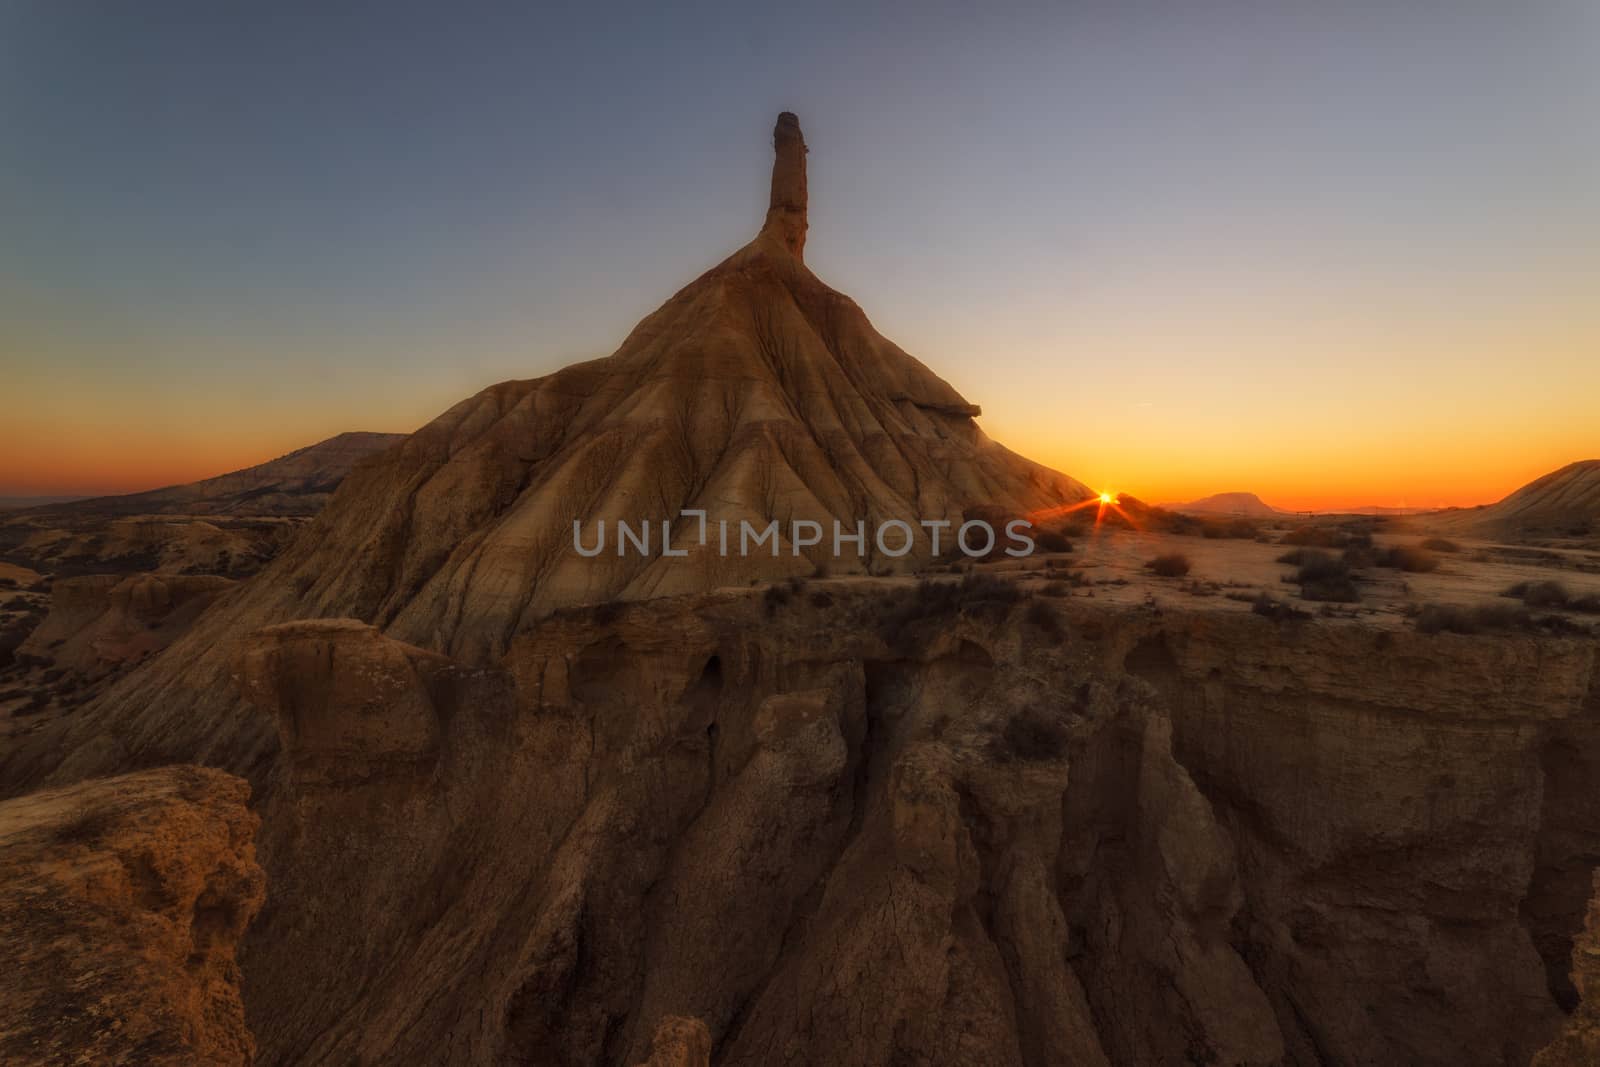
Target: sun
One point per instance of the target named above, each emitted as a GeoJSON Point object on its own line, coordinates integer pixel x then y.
{"type": "Point", "coordinates": [1108, 498]}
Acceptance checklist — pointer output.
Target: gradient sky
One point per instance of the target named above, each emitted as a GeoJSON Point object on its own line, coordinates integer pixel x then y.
{"type": "Point", "coordinates": [1348, 254]}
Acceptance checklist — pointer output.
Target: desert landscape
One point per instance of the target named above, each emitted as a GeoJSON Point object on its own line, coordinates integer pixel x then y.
{"type": "Point", "coordinates": [856, 737]}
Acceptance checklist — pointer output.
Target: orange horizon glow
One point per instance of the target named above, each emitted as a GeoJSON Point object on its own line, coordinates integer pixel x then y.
{"type": "Point", "coordinates": [118, 459]}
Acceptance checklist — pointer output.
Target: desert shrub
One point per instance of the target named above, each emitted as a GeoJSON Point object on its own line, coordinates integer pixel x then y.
{"type": "Point", "coordinates": [1053, 541]}
{"type": "Point", "coordinates": [1547, 594]}
{"type": "Point", "coordinates": [820, 571]}
{"type": "Point", "coordinates": [1032, 735]}
{"type": "Point", "coordinates": [1357, 556]}
{"type": "Point", "coordinates": [775, 597]}
{"type": "Point", "coordinates": [1411, 558]}
{"type": "Point", "coordinates": [1294, 557]}
{"type": "Point", "coordinates": [979, 595]}
{"type": "Point", "coordinates": [1316, 566]}
{"type": "Point", "coordinates": [821, 599]}
{"type": "Point", "coordinates": [1491, 618]}
{"type": "Point", "coordinates": [1276, 609]}
{"type": "Point", "coordinates": [1323, 577]}
{"type": "Point", "coordinates": [1171, 565]}
{"type": "Point", "coordinates": [607, 613]}
{"type": "Point", "coordinates": [1056, 588]}
{"type": "Point", "coordinates": [1589, 604]}
{"type": "Point", "coordinates": [1439, 544]}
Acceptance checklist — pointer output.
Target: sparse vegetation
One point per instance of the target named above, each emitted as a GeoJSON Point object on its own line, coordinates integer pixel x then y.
{"type": "Point", "coordinates": [1324, 577]}
{"type": "Point", "coordinates": [1547, 594]}
{"type": "Point", "coordinates": [1171, 565]}
{"type": "Point", "coordinates": [1439, 544]}
{"type": "Point", "coordinates": [1053, 541]}
{"type": "Point", "coordinates": [1412, 558]}
{"type": "Point", "coordinates": [984, 596]}
{"type": "Point", "coordinates": [1327, 537]}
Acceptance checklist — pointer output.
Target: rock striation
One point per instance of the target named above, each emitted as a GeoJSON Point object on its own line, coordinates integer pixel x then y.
{"type": "Point", "coordinates": [122, 904]}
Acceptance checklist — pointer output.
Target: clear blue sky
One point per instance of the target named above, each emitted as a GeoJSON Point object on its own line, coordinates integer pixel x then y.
{"type": "Point", "coordinates": [1176, 248]}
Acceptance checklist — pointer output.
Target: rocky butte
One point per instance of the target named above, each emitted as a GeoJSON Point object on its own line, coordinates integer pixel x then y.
{"type": "Point", "coordinates": [520, 807]}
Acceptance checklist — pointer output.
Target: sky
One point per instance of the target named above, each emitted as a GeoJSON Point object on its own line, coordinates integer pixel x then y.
{"type": "Point", "coordinates": [1337, 254]}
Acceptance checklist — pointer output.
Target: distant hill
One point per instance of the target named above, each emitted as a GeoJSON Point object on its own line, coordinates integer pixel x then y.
{"type": "Point", "coordinates": [1563, 503]}
{"type": "Point", "coordinates": [16, 503]}
{"type": "Point", "coordinates": [297, 484]}
{"type": "Point", "coordinates": [1227, 504]}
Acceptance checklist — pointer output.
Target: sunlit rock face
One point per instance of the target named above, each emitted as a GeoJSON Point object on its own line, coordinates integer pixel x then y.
{"type": "Point", "coordinates": [122, 904]}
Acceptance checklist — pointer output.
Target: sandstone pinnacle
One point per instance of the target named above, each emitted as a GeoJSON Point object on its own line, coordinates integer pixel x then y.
{"type": "Point", "coordinates": [786, 213]}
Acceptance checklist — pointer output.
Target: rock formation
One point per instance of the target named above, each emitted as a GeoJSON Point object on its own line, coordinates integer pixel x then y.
{"type": "Point", "coordinates": [1579, 1043]}
{"type": "Point", "coordinates": [122, 902]}
{"type": "Point", "coordinates": [756, 393]}
{"type": "Point", "coordinates": [875, 827]}
{"type": "Point", "coordinates": [525, 806]}
{"type": "Point", "coordinates": [786, 213]}
{"type": "Point", "coordinates": [103, 620]}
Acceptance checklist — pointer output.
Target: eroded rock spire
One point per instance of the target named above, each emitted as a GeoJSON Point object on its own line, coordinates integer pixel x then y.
{"type": "Point", "coordinates": [786, 213]}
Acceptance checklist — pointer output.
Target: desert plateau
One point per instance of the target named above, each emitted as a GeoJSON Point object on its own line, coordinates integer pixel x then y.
{"type": "Point", "coordinates": [736, 698]}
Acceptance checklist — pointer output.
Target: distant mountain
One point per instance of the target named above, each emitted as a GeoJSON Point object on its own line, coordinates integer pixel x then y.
{"type": "Point", "coordinates": [1227, 504]}
{"type": "Point", "coordinates": [1563, 503]}
{"type": "Point", "coordinates": [17, 503]}
{"type": "Point", "coordinates": [297, 484]}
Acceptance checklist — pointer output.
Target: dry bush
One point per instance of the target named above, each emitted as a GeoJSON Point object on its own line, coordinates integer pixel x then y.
{"type": "Point", "coordinates": [1171, 565]}
{"type": "Point", "coordinates": [1412, 558]}
{"type": "Point", "coordinates": [1053, 541]}
{"type": "Point", "coordinates": [1328, 537]}
{"type": "Point", "coordinates": [1547, 594]}
{"type": "Point", "coordinates": [1322, 577]}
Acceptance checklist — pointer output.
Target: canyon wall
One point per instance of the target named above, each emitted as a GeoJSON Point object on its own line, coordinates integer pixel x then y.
{"type": "Point", "coordinates": [863, 823]}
